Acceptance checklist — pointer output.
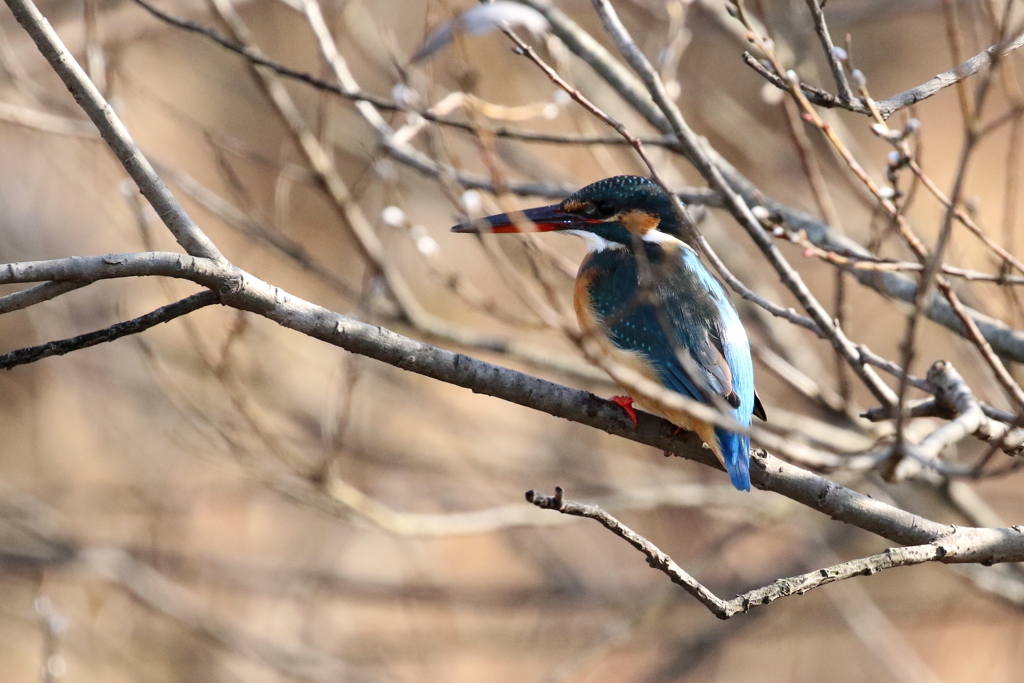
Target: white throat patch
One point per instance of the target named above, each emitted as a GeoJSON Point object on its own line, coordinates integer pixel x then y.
{"type": "Point", "coordinates": [595, 242]}
{"type": "Point", "coordinates": [659, 237]}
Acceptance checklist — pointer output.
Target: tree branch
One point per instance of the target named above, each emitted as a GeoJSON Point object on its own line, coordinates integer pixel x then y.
{"type": "Point", "coordinates": [821, 28]}
{"type": "Point", "coordinates": [940, 82]}
{"type": "Point", "coordinates": [36, 295]}
{"type": "Point", "coordinates": [724, 609]}
{"type": "Point", "coordinates": [86, 269]}
{"type": "Point", "coordinates": [955, 401]}
{"type": "Point", "coordinates": [109, 334]}
{"type": "Point", "coordinates": [184, 229]}
{"type": "Point", "coordinates": [907, 98]}
{"type": "Point", "coordinates": [243, 291]}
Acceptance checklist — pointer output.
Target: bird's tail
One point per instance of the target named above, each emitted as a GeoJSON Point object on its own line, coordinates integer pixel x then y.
{"type": "Point", "coordinates": [736, 454]}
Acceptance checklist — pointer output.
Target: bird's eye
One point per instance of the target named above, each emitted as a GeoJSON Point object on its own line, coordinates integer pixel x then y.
{"type": "Point", "coordinates": [600, 209]}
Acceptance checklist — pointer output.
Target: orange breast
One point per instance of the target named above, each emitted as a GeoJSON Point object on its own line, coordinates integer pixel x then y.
{"type": "Point", "coordinates": [591, 324]}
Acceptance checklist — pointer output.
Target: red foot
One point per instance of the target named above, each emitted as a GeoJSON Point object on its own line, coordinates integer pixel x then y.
{"type": "Point", "coordinates": [626, 403]}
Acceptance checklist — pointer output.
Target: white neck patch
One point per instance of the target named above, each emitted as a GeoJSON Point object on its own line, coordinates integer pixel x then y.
{"type": "Point", "coordinates": [595, 242]}
{"type": "Point", "coordinates": [659, 237]}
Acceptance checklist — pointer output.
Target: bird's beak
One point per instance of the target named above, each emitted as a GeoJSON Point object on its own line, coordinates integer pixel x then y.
{"type": "Point", "coordinates": [545, 218]}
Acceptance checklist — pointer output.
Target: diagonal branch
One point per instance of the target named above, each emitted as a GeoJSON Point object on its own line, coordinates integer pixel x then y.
{"type": "Point", "coordinates": [821, 28]}
{"type": "Point", "coordinates": [241, 290]}
{"type": "Point", "coordinates": [940, 82]}
{"type": "Point", "coordinates": [907, 98]}
{"type": "Point", "coordinates": [724, 609]}
{"type": "Point", "coordinates": [184, 229]}
{"type": "Point", "coordinates": [109, 334]}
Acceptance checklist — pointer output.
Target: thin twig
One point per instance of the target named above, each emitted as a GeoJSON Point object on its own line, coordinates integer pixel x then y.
{"type": "Point", "coordinates": [184, 229]}
{"type": "Point", "coordinates": [724, 609]}
{"type": "Point", "coordinates": [857, 261]}
{"type": "Point", "coordinates": [838, 74]}
{"type": "Point", "coordinates": [907, 98]}
{"type": "Point", "coordinates": [381, 103]}
{"type": "Point", "coordinates": [109, 334]}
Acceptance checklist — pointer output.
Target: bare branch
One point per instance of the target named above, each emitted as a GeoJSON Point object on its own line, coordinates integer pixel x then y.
{"type": "Point", "coordinates": [36, 295]}
{"type": "Point", "coordinates": [955, 399]}
{"type": "Point", "coordinates": [953, 389]}
{"type": "Point", "coordinates": [86, 269]}
{"type": "Point", "coordinates": [109, 334]}
{"type": "Point", "coordinates": [724, 609]}
{"type": "Point", "coordinates": [814, 94]}
{"type": "Point", "coordinates": [907, 98]}
{"type": "Point", "coordinates": [1004, 340]}
{"type": "Point", "coordinates": [981, 61]}
{"type": "Point", "coordinates": [838, 74]}
{"type": "Point", "coordinates": [241, 290]}
{"type": "Point", "coordinates": [188, 234]}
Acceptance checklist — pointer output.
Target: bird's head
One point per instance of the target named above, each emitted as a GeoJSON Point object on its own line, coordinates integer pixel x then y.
{"type": "Point", "coordinates": [610, 213]}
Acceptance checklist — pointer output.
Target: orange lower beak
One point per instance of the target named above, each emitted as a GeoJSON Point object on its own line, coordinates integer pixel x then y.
{"type": "Point", "coordinates": [542, 218]}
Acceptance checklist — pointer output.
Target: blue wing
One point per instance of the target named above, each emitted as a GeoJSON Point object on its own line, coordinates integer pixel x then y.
{"type": "Point", "coordinates": [686, 327]}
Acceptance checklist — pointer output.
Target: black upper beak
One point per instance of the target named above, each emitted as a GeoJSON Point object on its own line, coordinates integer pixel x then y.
{"type": "Point", "coordinates": [545, 218]}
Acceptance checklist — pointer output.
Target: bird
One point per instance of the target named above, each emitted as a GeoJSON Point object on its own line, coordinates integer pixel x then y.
{"type": "Point", "coordinates": [647, 298]}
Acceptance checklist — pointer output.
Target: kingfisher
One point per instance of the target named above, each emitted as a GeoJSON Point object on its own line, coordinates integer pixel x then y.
{"type": "Point", "coordinates": [647, 298]}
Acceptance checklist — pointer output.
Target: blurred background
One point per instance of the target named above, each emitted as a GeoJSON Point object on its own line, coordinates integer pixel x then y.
{"type": "Point", "coordinates": [221, 499]}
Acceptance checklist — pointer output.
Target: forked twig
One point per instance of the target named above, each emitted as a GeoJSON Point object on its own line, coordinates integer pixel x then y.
{"type": "Point", "coordinates": [725, 609]}
{"type": "Point", "coordinates": [907, 98]}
